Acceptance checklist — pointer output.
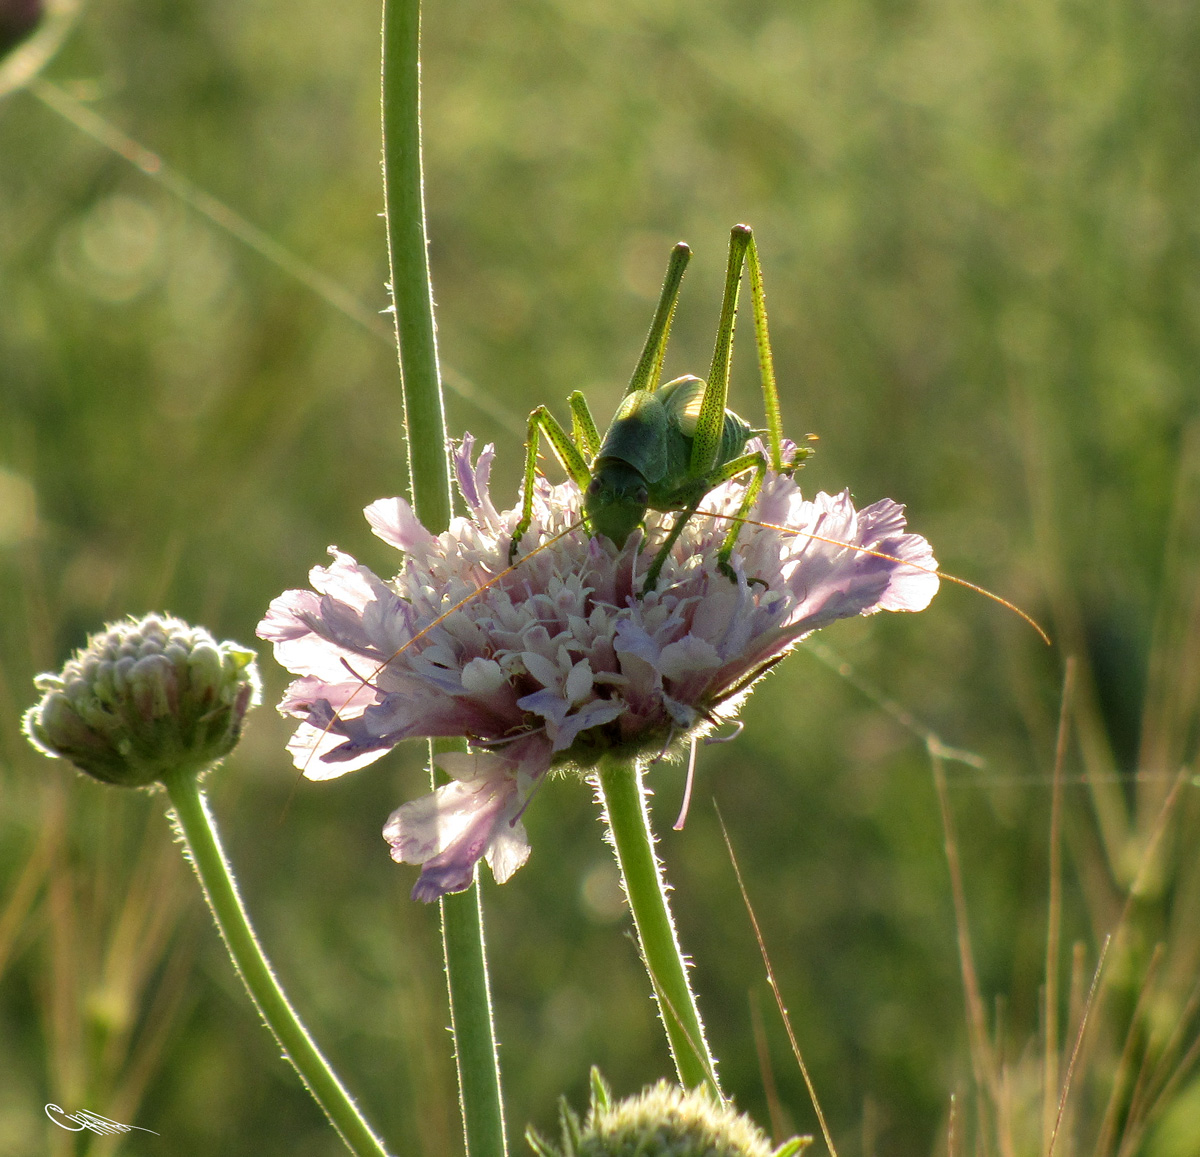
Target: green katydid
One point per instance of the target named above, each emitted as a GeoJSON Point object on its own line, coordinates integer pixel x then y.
{"type": "Point", "coordinates": [668, 446]}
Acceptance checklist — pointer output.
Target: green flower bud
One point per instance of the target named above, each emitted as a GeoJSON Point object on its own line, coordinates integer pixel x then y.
{"type": "Point", "coordinates": [662, 1121]}
{"type": "Point", "coordinates": [144, 698]}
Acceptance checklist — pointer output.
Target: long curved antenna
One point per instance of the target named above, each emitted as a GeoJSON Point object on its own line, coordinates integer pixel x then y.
{"type": "Point", "coordinates": [950, 578]}
{"type": "Point", "coordinates": [366, 681]}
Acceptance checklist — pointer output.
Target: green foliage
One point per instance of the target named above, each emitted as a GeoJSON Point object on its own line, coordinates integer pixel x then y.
{"type": "Point", "coordinates": [978, 222]}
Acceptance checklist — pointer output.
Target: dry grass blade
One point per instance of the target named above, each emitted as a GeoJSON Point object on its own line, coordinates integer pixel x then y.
{"type": "Point", "coordinates": [1186, 1063]}
{"type": "Point", "coordinates": [24, 894]}
{"type": "Point", "coordinates": [1173, 670]}
{"type": "Point", "coordinates": [331, 292]}
{"type": "Point", "coordinates": [1156, 1086]}
{"type": "Point", "coordinates": [1050, 1090]}
{"type": "Point", "coordinates": [1146, 863]}
{"type": "Point", "coordinates": [1108, 1124]}
{"type": "Point", "coordinates": [172, 995]}
{"type": "Point", "coordinates": [983, 1059]}
{"type": "Point", "coordinates": [779, 1129]}
{"type": "Point", "coordinates": [1085, 1016]}
{"type": "Point", "coordinates": [1145, 867]}
{"type": "Point", "coordinates": [783, 1012]}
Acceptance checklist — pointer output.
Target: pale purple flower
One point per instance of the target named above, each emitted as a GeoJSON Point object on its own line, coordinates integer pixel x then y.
{"type": "Point", "coordinates": [560, 661]}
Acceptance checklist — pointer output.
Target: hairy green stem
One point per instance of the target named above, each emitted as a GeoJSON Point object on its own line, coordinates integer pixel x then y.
{"type": "Point", "coordinates": [412, 291]}
{"type": "Point", "coordinates": [623, 796]}
{"type": "Point", "coordinates": [471, 1023]}
{"type": "Point", "coordinates": [425, 421]}
{"type": "Point", "coordinates": [196, 825]}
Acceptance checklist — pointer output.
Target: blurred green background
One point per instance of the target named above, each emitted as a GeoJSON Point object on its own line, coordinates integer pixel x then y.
{"type": "Point", "coordinates": [978, 223]}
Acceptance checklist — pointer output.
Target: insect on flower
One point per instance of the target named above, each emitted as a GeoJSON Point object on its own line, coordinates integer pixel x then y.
{"type": "Point", "coordinates": [654, 588]}
{"type": "Point", "coordinates": [668, 446]}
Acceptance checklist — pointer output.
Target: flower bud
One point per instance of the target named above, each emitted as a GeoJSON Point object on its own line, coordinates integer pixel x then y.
{"type": "Point", "coordinates": [662, 1121]}
{"type": "Point", "coordinates": [144, 698]}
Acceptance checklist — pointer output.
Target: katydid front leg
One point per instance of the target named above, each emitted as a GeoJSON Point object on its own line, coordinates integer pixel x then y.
{"type": "Point", "coordinates": [757, 463]}
{"type": "Point", "coordinates": [664, 550]}
{"type": "Point", "coordinates": [583, 426]}
{"type": "Point", "coordinates": [541, 421]}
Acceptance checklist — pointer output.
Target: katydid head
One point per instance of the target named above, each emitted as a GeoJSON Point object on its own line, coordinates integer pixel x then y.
{"type": "Point", "coordinates": [615, 500]}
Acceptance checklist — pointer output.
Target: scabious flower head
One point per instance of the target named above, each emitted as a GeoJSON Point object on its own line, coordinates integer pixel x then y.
{"type": "Point", "coordinates": [664, 1120]}
{"type": "Point", "coordinates": [561, 660]}
{"type": "Point", "coordinates": [145, 697]}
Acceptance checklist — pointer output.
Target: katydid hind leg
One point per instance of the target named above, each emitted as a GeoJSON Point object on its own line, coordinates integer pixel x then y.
{"type": "Point", "coordinates": [710, 426]}
{"type": "Point", "coordinates": [766, 363]}
{"type": "Point", "coordinates": [648, 371]}
{"type": "Point", "coordinates": [759, 464]}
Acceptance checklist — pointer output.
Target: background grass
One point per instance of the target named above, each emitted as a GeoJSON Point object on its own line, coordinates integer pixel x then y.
{"type": "Point", "coordinates": [979, 234]}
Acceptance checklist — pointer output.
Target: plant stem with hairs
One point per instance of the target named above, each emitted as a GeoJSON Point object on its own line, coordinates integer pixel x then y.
{"type": "Point", "coordinates": [424, 414]}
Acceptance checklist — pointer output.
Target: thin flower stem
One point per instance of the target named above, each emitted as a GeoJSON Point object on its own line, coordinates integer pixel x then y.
{"type": "Point", "coordinates": [196, 825]}
{"type": "Point", "coordinates": [470, 1015]}
{"type": "Point", "coordinates": [412, 290]}
{"type": "Point", "coordinates": [480, 1094]}
{"type": "Point", "coordinates": [624, 798]}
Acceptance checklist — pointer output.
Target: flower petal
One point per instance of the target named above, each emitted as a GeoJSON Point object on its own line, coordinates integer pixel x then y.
{"type": "Point", "coordinates": [474, 817]}
{"type": "Point", "coordinates": [689, 656]}
{"type": "Point", "coordinates": [480, 676]}
{"type": "Point", "coordinates": [393, 520]}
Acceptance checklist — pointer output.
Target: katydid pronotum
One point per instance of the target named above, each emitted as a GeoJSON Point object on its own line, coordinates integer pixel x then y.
{"type": "Point", "coordinates": [668, 445]}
